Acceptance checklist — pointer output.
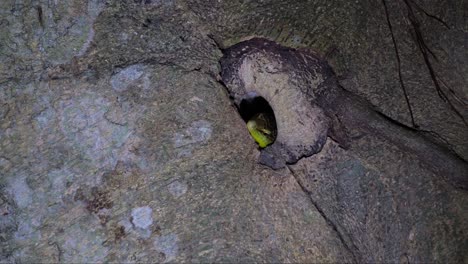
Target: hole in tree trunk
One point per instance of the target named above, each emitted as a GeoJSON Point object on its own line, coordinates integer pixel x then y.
{"type": "Point", "coordinates": [260, 119]}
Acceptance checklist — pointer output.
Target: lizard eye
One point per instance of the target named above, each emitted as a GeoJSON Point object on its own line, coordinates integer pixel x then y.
{"type": "Point", "coordinates": [265, 131]}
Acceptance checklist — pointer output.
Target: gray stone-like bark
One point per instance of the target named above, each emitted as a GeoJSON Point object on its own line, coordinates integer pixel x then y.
{"type": "Point", "coordinates": [119, 143]}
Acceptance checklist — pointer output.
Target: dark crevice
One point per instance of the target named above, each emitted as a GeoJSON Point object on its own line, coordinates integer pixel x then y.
{"type": "Point", "coordinates": [395, 122]}
{"type": "Point", "coordinates": [260, 119]}
{"type": "Point", "coordinates": [431, 15]}
{"type": "Point", "coordinates": [397, 54]}
{"type": "Point", "coordinates": [147, 23]}
{"type": "Point", "coordinates": [216, 42]}
{"type": "Point", "coordinates": [438, 137]}
{"type": "Point", "coordinates": [40, 16]}
{"type": "Point", "coordinates": [59, 251]}
{"type": "Point", "coordinates": [423, 48]}
{"type": "Point", "coordinates": [434, 136]}
{"type": "Point", "coordinates": [426, 52]}
{"type": "Point", "coordinates": [353, 250]}
{"type": "Point", "coordinates": [250, 106]}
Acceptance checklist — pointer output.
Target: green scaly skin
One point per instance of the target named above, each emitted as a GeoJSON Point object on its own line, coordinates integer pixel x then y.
{"type": "Point", "coordinates": [260, 130]}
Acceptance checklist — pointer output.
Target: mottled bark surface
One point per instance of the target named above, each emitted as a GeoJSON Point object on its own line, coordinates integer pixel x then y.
{"type": "Point", "coordinates": [118, 142]}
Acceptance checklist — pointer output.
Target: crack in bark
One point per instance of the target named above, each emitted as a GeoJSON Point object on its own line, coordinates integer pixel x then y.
{"type": "Point", "coordinates": [437, 136]}
{"type": "Point", "coordinates": [353, 250]}
{"type": "Point", "coordinates": [397, 54]}
{"type": "Point", "coordinates": [431, 15]}
{"type": "Point", "coordinates": [433, 137]}
{"type": "Point", "coordinates": [59, 251]}
{"type": "Point", "coordinates": [424, 49]}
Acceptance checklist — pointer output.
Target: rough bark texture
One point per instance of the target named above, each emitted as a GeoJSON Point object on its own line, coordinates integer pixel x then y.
{"type": "Point", "coordinates": [119, 142]}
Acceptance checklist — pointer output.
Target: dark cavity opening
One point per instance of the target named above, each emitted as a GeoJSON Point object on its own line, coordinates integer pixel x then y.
{"type": "Point", "coordinates": [255, 106]}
